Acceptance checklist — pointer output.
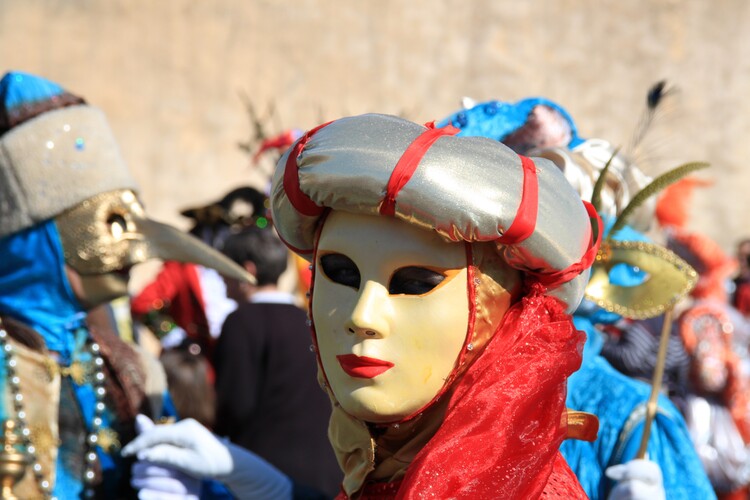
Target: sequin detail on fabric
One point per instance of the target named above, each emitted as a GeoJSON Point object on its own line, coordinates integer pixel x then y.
{"type": "Point", "coordinates": [562, 483]}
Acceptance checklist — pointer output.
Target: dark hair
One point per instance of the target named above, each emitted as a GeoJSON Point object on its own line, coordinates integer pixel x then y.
{"type": "Point", "coordinates": [189, 385]}
{"type": "Point", "coordinates": [261, 247]}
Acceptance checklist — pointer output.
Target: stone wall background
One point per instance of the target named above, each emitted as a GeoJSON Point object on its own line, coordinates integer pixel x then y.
{"type": "Point", "coordinates": [169, 73]}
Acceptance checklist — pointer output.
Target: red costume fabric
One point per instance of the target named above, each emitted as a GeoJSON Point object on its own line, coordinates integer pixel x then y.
{"type": "Point", "coordinates": [742, 297]}
{"type": "Point", "coordinates": [704, 254]}
{"type": "Point", "coordinates": [506, 418]}
{"type": "Point", "coordinates": [176, 291]}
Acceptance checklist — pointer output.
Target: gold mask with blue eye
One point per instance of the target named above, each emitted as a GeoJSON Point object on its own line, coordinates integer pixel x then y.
{"type": "Point", "coordinates": [668, 279]}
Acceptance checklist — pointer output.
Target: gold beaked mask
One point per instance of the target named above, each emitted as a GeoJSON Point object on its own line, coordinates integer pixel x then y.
{"type": "Point", "coordinates": [110, 232]}
{"type": "Point", "coordinates": [669, 278]}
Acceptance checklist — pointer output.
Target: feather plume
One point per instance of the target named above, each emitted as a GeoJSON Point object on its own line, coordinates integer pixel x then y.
{"type": "Point", "coordinates": [596, 196]}
{"type": "Point", "coordinates": [654, 187]}
{"type": "Point", "coordinates": [655, 94]}
{"type": "Point", "coordinates": [654, 98]}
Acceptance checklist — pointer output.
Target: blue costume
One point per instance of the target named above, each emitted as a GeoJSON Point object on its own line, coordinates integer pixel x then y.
{"type": "Point", "coordinates": [72, 392]}
{"type": "Point", "coordinates": [35, 291]}
{"type": "Point", "coordinates": [71, 227]}
{"type": "Point", "coordinates": [617, 400]}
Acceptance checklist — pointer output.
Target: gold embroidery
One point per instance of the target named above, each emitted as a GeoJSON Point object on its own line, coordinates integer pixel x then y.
{"type": "Point", "coordinates": [80, 373]}
{"type": "Point", "coordinates": [51, 369]}
{"type": "Point", "coordinates": [42, 439]}
{"type": "Point", "coordinates": [108, 440]}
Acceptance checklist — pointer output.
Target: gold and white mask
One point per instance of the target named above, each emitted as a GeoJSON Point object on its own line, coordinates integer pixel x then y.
{"type": "Point", "coordinates": [391, 313]}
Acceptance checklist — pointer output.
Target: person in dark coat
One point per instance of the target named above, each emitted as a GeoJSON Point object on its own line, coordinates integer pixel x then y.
{"type": "Point", "coordinates": [268, 400]}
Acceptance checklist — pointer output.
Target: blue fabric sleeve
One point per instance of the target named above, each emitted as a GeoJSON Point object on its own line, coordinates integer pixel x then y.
{"type": "Point", "coordinates": [214, 490]}
{"type": "Point", "coordinates": [670, 447]}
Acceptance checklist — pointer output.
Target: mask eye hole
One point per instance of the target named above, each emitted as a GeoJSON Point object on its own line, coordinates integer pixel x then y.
{"type": "Point", "coordinates": [117, 225]}
{"type": "Point", "coordinates": [340, 269]}
{"type": "Point", "coordinates": [413, 280]}
{"type": "Point", "coordinates": [627, 275]}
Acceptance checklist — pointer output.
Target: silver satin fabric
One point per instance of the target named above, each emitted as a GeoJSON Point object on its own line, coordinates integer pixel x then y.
{"type": "Point", "coordinates": [465, 188]}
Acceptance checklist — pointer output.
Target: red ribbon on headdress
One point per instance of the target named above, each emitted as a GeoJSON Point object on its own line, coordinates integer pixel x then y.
{"type": "Point", "coordinates": [408, 163]}
{"type": "Point", "coordinates": [551, 280]}
{"type": "Point", "coordinates": [525, 221]}
{"type": "Point", "coordinates": [299, 200]}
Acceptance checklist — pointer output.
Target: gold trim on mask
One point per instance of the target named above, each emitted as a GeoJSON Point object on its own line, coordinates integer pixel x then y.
{"type": "Point", "coordinates": [669, 279]}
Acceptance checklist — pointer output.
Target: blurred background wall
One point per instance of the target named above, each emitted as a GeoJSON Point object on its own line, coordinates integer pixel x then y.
{"type": "Point", "coordinates": [170, 75]}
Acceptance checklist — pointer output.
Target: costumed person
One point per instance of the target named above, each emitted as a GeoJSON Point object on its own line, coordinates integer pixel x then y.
{"type": "Point", "coordinates": [71, 227]}
{"type": "Point", "coordinates": [607, 467]}
{"type": "Point", "coordinates": [186, 301]}
{"type": "Point", "coordinates": [264, 349]}
{"type": "Point", "coordinates": [443, 272]}
{"type": "Point", "coordinates": [633, 347]}
{"type": "Point", "coordinates": [715, 335]}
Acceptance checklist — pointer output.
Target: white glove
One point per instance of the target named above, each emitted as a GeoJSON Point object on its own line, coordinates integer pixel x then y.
{"type": "Point", "coordinates": [194, 450]}
{"type": "Point", "coordinates": [154, 482]}
{"type": "Point", "coordinates": [637, 480]}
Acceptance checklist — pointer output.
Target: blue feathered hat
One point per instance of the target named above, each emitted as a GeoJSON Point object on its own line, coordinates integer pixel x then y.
{"type": "Point", "coordinates": [499, 120]}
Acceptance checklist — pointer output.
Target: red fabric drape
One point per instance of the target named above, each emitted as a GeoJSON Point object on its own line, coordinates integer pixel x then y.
{"type": "Point", "coordinates": [505, 421]}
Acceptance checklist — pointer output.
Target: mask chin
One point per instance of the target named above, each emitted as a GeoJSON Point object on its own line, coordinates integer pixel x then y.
{"type": "Point", "coordinates": [93, 290]}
